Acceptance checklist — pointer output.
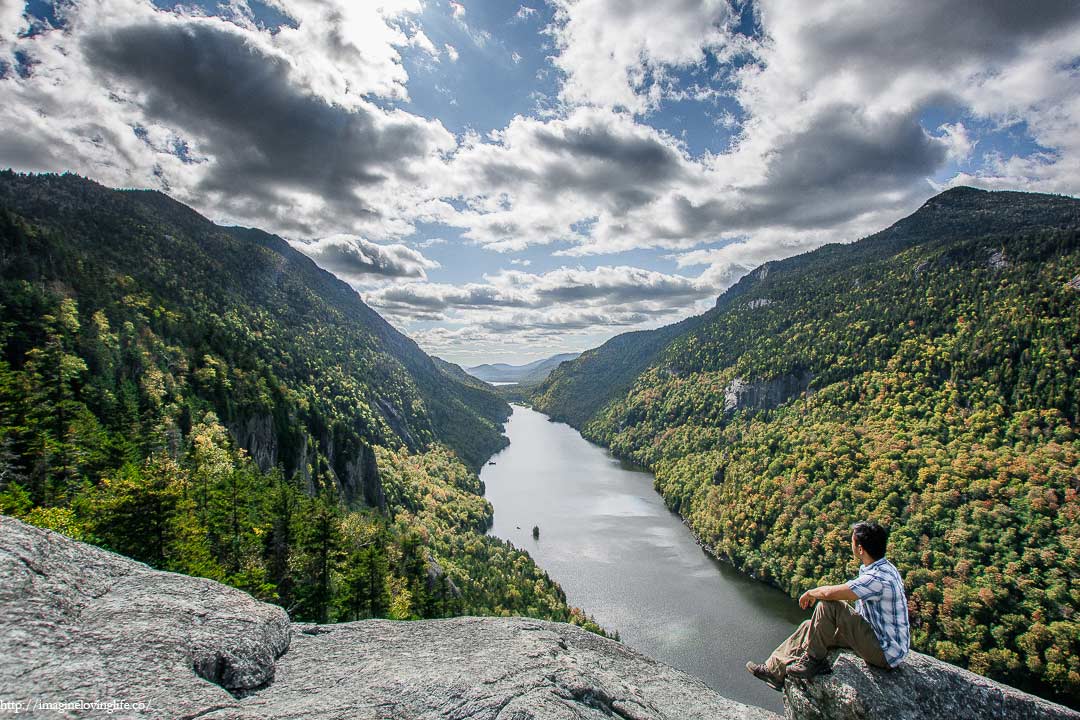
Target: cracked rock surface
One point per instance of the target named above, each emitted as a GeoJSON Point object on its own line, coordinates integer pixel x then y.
{"type": "Point", "coordinates": [485, 668]}
{"type": "Point", "coordinates": [78, 623]}
{"type": "Point", "coordinates": [919, 688]}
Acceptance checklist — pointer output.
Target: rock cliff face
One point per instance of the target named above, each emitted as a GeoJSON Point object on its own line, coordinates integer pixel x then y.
{"type": "Point", "coordinates": [920, 688]}
{"type": "Point", "coordinates": [764, 394]}
{"type": "Point", "coordinates": [82, 625]}
{"type": "Point", "coordinates": [351, 464]}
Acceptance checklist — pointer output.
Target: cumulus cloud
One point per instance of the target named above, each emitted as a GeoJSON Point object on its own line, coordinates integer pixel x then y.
{"type": "Point", "coordinates": [265, 134]}
{"type": "Point", "coordinates": [275, 129]}
{"type": "Point", "coordinates": [543, 181]}
{"type": "Point", "coordinates": [998, 62]}
{"type": "Point", "coordinates": [534, 306]}
{"type": "Point", "coordinates": [539, 311]}
{"type": "Point", "coordinates": [604, 286]}
{"type": "Point", "coordinates": [831, 135]}
{"type": "Point", "coordinates": [355, 259]}
{"type": "Point", "coordinates": [422, 41]}
{"type": "Point", "coordinates": [614, 52]}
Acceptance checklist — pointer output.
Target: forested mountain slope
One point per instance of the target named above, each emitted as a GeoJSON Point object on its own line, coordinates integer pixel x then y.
{"type": "Point", "coordinates": [208, 400]}
{"type": "Point", "coordinates": [926, 376]}
{"type": "Point", "coordinates": [576, 390]}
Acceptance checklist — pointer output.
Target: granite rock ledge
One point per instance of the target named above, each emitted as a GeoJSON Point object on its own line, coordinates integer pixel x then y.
{"type": "Point", "coordinates": [920, 688]}
{"type": "Point", "coordinates": [78, 623]}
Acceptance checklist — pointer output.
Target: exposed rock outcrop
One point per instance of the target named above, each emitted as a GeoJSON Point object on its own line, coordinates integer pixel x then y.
{"type": "Point", "coordinates": [921, 688]}
{"type": "Point", "coordinates": [764, 394]}
{"type": "Point", "coordinates": [506, 668]}
{"type": "Point", "coordinates": [255, 433]}
{"type": "Point", "coordinates": [350, 463]}
{"type": "Point", "coordinates": [359, 478]}
{"type": "Point", "coordinates": [79, 624]}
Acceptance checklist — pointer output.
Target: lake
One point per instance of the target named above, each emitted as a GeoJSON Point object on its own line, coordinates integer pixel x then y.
{"type": "Point", "coordinates": [622, 556]}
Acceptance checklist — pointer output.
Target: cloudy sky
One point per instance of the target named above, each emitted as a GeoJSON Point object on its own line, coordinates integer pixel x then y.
{"type": "Point", "coordinates": [506, 180]}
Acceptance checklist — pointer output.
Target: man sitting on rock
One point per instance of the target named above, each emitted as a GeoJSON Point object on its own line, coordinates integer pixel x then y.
{"type": "Point", "coordinates": [877, 628]}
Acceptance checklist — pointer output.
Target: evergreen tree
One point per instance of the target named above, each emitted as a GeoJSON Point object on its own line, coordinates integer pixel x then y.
{"type": "Point", "coordinates": [319, 544]}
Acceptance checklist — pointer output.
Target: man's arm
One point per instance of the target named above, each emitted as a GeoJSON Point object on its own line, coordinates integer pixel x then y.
{"type": "Point", "coordinates": [826, 592]}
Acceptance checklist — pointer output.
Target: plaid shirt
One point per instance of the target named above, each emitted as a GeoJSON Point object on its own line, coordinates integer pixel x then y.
{"type": "Point", "coordinates": [883, 603]}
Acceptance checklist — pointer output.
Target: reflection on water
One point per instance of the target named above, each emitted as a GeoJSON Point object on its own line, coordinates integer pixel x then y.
{"type": "Point", "coordinates": [619, 553]}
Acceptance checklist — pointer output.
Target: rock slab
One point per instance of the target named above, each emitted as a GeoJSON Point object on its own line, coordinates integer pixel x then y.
{"type": "Point", "coordinates": [920, 688]}
{"type": "Point", "coordinates": [81, 625]}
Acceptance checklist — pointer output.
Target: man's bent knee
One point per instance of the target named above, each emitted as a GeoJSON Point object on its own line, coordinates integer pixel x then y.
{"type": "Point", "coordinates": [825, 607]}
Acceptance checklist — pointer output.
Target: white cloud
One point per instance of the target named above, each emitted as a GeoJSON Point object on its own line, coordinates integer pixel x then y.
{"type": "Point", "coordinates": [451, 52]}
{"type": "Point", "coordinates": [958, 141]}
{"type": "Point", "coordinates": [288, 140]}
{"type": "Point", "coordinates": [12, 20]}
{"type": "Point", "coordinates": [830, 140]}
{"type": "Point", "coordinates": [1001, 62]}
{"type": "Point", "coordinates": [615, 52]}
{"type": "Point", "coordinates": [537, 181]}
{"type": "Point", "coordinates": [423, 42]}
{"type": "Point", "coordinates": [538, 310]}
{"type": "Point", "coordinates": [355, 259]}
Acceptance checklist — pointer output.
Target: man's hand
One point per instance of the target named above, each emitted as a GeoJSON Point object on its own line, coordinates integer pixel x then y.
{"type": "Point", "coordinates": [826, 592]}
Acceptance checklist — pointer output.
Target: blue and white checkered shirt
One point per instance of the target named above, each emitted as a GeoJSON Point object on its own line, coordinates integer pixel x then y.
{"type": "Point", "coordinates": [884, 605]}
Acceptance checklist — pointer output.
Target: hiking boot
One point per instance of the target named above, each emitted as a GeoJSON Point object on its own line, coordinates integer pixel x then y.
{"type": "Point", "coordinates": [762, 673]}
{"type": "Point", "coordinates": [807, 667]}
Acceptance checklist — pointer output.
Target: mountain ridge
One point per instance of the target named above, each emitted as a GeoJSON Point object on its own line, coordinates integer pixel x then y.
{"type": "Point", "coordinates": [260, 281]}
{"type": "Point", "coordinates": [569, 399]}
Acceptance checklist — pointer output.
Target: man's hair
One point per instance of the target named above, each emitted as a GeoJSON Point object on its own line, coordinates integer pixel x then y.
{"type": "Point", "coordinates": [872, 537]}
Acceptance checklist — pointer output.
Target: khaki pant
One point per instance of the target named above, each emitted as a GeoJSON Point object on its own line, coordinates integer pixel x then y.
{"type": "Point", "coordinates": [833, 624]}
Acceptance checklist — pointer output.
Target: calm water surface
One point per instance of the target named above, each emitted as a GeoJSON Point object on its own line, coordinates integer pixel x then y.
{"type": "Point", "coordinates": [622, 556]}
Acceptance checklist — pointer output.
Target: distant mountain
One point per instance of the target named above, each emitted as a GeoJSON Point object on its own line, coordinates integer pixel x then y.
{"type": "Point", "coordinates": [927, 376]}
{"type": "Point", "coordinates": [527, 374]}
